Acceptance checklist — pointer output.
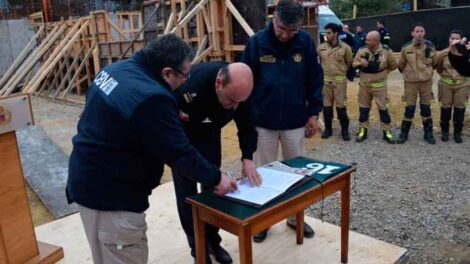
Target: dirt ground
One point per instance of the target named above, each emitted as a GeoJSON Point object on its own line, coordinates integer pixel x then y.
{"type": "Point", "coordinates": [59, 121]}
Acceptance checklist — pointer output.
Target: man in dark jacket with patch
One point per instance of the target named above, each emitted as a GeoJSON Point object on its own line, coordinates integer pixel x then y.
{"type": "Point", "coordinates": [128, 130]}
{"type": "Point", "coordinates": [287, 93]}
{"type": "Point", "coordinates": [215, 94]}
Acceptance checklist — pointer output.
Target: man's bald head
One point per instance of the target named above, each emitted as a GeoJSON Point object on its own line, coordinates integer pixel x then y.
{"type": "Point", "coordinates": [234, 84]}
{"type": "Point", "coordinates": [373, 40]}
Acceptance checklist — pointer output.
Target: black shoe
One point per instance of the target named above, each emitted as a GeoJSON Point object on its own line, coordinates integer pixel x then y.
{"type": "Point", "coordinates": [388, 137]}
{"type": "Point", "coordinates": [445, 136]}
{"type": "Point", "coordinates": [345, 135]}
{"type": "Point", "coordinates": [361, 135]}
{"type": "Point", "coordinates": [208, 258]}
{"type": "Point", "coordinates": [261, 236]}
{"type": "Point", "coordinates": [327, 133]}
{"type": "Point", "coordinates": [308, 231]}
{"type": "Point", "coordinates": [458, 138]}
{"type": "Point", "coordinates": [220, 254]}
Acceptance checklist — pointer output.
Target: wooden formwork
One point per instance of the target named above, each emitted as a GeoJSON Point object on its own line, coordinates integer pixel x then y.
{"type": "Point", "coordinates": [63, 57]}
{"type": "Point", "coordinates": [206, 25]}
{"type": "Point", "coordinates": [60, 61]}
{"type": "Point", "coordinates": [116, 36]}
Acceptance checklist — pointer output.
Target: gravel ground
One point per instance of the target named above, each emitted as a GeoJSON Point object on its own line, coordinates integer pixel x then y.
{"type": "Point", "coordinates": [414, 195]}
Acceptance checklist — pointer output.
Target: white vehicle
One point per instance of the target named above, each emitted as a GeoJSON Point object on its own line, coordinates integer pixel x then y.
{"type": "Point", "coordinates": [325, 16]}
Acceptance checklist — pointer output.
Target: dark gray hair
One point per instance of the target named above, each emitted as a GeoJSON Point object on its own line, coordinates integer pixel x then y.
{"type": "Point", "coordinates": [224, 75]}
{"type": "Point", "coordinates": [289, 12]}
{"type": "Point", "coordinates": [168, 51]}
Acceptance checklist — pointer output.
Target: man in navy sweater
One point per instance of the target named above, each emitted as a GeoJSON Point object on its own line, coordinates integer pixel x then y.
{"type": "Point", "coordinates": [287, 93]}
{"type": "Point", "coordinates": [128, 130]}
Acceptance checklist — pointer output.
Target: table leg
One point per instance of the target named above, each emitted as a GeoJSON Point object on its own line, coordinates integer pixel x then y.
{"type": "Point", "coordinates": [299, 218]}
{"type": "Point", "coordinates": [200, 237]}
{"type": "Point", "coordinates": [345, 199]}
{"type": "Point", "coordinates": [244, 242]}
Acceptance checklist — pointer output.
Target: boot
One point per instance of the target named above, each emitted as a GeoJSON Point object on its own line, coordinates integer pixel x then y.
{"type": "Point", "coordinates": [404, 131]}
{"type": "Point", "coordinates": [361, 135]}
{"type": "Point", "coordinates": [220, 254]}
{"type": "Point", "coordinates": [344, 121]}
{"type": "Point", "coordinates": [428, 136]}
{"type": "Point", "coordinates": [261, 236]}
{"type": "Point", "coordinates": [328, 118]}
{"type": "Point", "coordinates": [459, 115]}
{"type": "Point", "coordinates": [445, 118]}
{"type": "Point", "coordinates": [388, 136]}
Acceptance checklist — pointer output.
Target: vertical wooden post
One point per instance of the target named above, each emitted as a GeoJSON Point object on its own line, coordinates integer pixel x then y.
{"type": "Point", "coordinates": [354, 11]}
{"type": "Point", "coordinates": [228, 35]}
{"type": "Point", "coordinates": [183, 13]}
{"type": "Point", "coordinates": [244, 242]}
{"type": "Point", "coordinates": [345, 207]}
{"type": "Point", "coordinates": [46, 4]}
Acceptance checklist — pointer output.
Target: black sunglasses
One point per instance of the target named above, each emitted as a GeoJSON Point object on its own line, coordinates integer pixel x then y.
{"type": "Point", "coordinates": [186, 75]}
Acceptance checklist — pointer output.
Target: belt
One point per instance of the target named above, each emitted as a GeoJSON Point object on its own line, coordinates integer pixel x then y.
{"type": "Point", "coordinates": [328, 78]}
{"type": "Point", "coordinates": [454, 81]}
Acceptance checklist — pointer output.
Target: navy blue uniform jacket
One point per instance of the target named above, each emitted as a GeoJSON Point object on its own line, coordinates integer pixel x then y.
{"type": "Point", "coordinates": [129, 129]}
{"type": "Point", "coordinates": [288, 80]}
{"type": "Point", "coordinates": [202, 112]}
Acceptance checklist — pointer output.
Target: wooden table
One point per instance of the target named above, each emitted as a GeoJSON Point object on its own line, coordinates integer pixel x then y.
{"type": "Point", "coordinates": [245, 221]}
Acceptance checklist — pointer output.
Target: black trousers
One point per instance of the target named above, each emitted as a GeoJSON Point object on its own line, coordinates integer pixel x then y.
{"type": "Point", "coordinates": [207, 142]}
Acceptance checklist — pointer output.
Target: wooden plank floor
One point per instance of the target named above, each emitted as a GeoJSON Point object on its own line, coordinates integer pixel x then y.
{"type": "Point", "coordinates": [167, 241]}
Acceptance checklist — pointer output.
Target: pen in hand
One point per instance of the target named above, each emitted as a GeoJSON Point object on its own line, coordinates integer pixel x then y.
{"type": "Point", "coordinates": [227, 184]}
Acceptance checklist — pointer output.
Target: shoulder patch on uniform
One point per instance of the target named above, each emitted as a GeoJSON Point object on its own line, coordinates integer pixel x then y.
{"type": "Point", "coordinates": [189, 97]}
{"type": "Point", "coordinates": [105, 82]}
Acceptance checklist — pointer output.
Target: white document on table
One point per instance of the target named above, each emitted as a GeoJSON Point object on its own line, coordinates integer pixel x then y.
{"type": "Point", "coordinates": [275, 182]}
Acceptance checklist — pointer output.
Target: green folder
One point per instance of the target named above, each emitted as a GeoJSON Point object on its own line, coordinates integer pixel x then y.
{"type": "Point", "coordinates": [244, 211]}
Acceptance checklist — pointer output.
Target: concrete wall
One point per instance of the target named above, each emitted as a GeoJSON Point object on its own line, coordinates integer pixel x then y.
{"type": "Point", "coordinates": [14, 35]}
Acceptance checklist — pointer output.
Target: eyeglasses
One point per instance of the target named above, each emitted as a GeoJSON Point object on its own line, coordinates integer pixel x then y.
{"type": "Point", "coordinates": [185, 75]}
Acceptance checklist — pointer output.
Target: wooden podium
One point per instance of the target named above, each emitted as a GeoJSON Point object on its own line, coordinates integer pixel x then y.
{"type": "Point", "coordinates": [17, 238]}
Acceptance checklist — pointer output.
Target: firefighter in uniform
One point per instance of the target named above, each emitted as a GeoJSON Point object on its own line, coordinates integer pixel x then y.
{"type": "Point", "coordinates": [453, 92]}
{"type": "Point", "coordinates": [417, 62]}
{"type": "Point", "coordinates": [384, 33]}
{"type": "Point", "coordinates": [375, 62]}
{"type": "Point", "coordinates": [213, 95]}
{"type": "Point", "coordinates": [336, 59]}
